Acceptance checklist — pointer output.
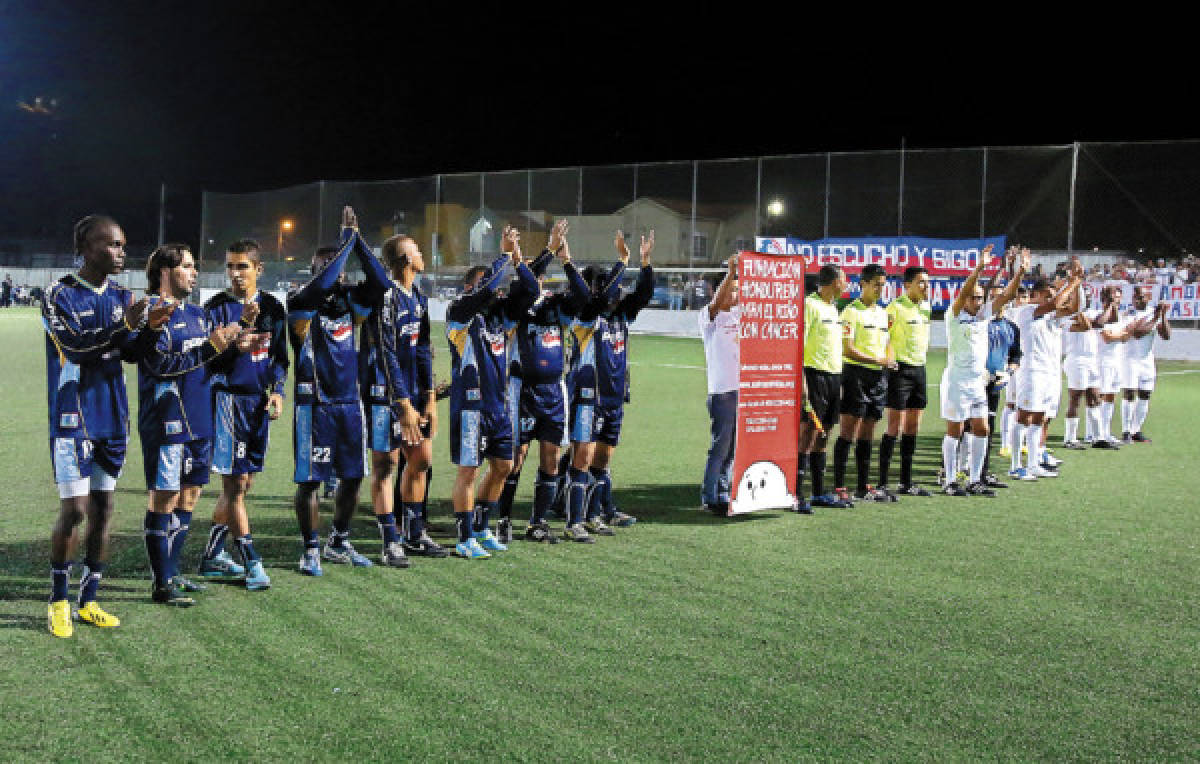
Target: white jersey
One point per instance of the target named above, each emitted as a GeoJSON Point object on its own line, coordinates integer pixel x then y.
{"type": "Point", "coordinates": [1112, 353]}
{"type": "Point", "coordinates": [1041, 341]}
{"type": "Point", "coordinates": [1140, 349]}
{"type": "Point", "coordinates": [967, 338]}
{"type": "Point", "coordinates": [1083, 346]}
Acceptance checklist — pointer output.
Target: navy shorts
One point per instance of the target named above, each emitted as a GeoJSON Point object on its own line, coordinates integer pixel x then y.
{"type": "Point", "coordinates": [476, 435]}
{"type": "Point", "coordinates": [594, 422]}
{"type": "Point", "coordinates": [76, 458]}
{"type": "Point", "coordinates": [170, 466]}
{"type": "Point", "coordinates": [541, 412]}
{"type": "Point", "coordinates": [329, 440]}
{"type": "Point", "coordinates": [241, 432]}
{"type": "Point", "coordinates": [384, 429]}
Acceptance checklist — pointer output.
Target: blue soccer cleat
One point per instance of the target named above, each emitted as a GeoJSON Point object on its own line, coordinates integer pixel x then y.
{"type": "Point", "coordinates": [257, 578]}
{"type": "Point", "coordinates": [345, 553]}
{"type": "Point", "coordinates": [310, 563]}
{"type": "Point", "coordinates": [488, 540]}
{"type": "Point", "coordinates": [221, 566]}
{"type": "Point", "coordinates": [471, 550]}
{"type": "Point", "coordinates": [829, 500]}
{"type": "Point", "coordinates": [620, 519]}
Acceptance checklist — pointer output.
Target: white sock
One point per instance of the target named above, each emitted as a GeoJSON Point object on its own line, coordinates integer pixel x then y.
{"type": "Point", "coordinates": [1126, 416]}
{"type": "Point", "coordinates": [1033, 435]}
{"type": "Point", "coordinates": [977, 448]}
{"type": "Point", "coordinates": [1106, 412]}
{"type": "Point", "coordinates": [1005, 424]}
{"type": "Point", "coordinates": [1018, 433]}
{"type": "Point", "coordinates": [1139, 414]}
{"type": "Point", "coordinates": [962, 453]}
{"type": "Point", "coordinates": [1071, 430]}
{"type": "Point", "coordinates": [1092, 414]}
{"type": "Point", "coordinates": [949, 456]}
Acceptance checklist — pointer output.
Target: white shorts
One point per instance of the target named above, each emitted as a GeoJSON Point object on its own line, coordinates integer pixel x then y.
{"type": "Point", "coordinates": [1082, 373]}
{"type": "Point", "coordinates": [1110, 379]}
{"type": "Point", "coordinates": [1039, 391]}
{"type": "Point", "coordinates": [1055, 397]}
{"type": "Point", "coordinates": [1139, 375]}
{"type": "Point", "coordinates": [963, 398]}
{"type": "Point", "coordinates": [1012, 391]}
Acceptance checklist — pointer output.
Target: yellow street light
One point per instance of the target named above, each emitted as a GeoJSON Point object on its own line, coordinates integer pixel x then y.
{"type": "Point", "coordinates": [284, 225]}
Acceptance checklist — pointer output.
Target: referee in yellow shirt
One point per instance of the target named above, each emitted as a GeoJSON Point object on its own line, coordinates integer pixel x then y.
{"type": "Point", "coordinates": [822, 384]}
{"type": "Point", "coordinates": [908, 330]}
{"type": "Point", "coordinates": [864, 386]}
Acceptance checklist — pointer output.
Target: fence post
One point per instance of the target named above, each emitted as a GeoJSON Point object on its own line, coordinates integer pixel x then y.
{"type": "Point", "coordinates": [900, 195]}
{"type": "Point", "coordinates": [691, 245]}
{"type": "Point", "coordinates": [983, 196]}
{"type": "Point", "coordinates": [758, 200]}
{"type": "Point", "coordinates": [827, 167]}
{"type": "Point", "coordinates": [1071, 203]}
{"type": "Point", "coordinates": [320, 213]}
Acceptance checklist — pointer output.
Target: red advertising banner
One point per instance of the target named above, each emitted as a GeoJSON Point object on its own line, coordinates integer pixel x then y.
{"type": "Point", "coordinates": [771, 341]}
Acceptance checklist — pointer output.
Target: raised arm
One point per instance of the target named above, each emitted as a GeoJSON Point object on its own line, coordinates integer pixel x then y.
{"type": "Point", "coordinates": [1010, 291]}
{"type": "Point", "coordinates": [310, 296]}
{"type": "Point", "coordinates": [960, 299]}
{"type": "Point", "coordinates": [725, 290]}
{"type": "Point", "coordinates": [643, 289]}
{"type": "Point", "coordinates": [1164, 326]}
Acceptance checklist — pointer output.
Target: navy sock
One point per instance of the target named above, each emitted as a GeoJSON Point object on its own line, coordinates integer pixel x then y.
{"type": "Point", "coordinates": [577, 495]}
{"type": "Point", "coordinates": [155, 526]}
{"type": "Point", "coordinates": [216, 540]}
{"type": "Point", "coordinates": [176, 536]}
{"type": "Point", "coordinates": [801, 463]}
{"type": "Point", "coordinates": [543, 496]}
{"type": "Point", "coordinates": [312, 540]}
{"type": "Point", "coordinates": [245, 545]}
{"type": "Point", "coordinates": [841, 455]}
{"type": "Point", "coordinates": [504, 505]}
{"type": "Point", "coordinates": [89, 582]}
{"type": "Point", "coordinates": [60, 580]}
{"type": "Point", "coordinates": [908, 447]}
{"type": "Point", "coordinates": [887, 445]}
{"type": "Point", "coordinates": [601, 500]}
{"type": "Point", "coordinates": [387, 527]}
{"type": "Point", "coordinates": [413, 519]}
{"type": "Point", "coordinates": [462, 522]}
{"type": "Point", "coordinates": [816, 465]}
{"type": "Point", "coordinates": [862, 463]}
{"type": "Point", "coordinates": [483, 515]}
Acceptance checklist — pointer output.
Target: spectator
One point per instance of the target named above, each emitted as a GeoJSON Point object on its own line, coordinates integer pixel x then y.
{"type": "Point", "coordinates": [719, 324]}
{"type": "Point", "coordinates": [1164, 274]}
{"type": "Point", "coordinates": [675, 292]}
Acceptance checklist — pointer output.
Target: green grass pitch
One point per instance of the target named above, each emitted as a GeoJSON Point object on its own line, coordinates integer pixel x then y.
{"type": "Point", "coordinates": [1059, 621]}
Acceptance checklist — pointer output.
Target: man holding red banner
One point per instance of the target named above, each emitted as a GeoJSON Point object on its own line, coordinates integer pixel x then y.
{"type": "Point", "coordinates": [720, 321]}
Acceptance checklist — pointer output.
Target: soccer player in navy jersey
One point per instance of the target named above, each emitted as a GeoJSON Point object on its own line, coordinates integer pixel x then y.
{"type": "Point", "coordinates": [477, 326]}
{"type": "Point", "coordinates": [600, 386]}
{"type": "Point", "coordinates": [175, 416]}
{"type": "Point", "coordinates": [247, 383]}
{"type": "Point", "coordinates": [92, 324]}
{"type": "Point", "coordinates": [396, 378]}
{"type": "Point", "coordinates": [536, 390]}
{"type": "Point", "coordinates": [329, 428]}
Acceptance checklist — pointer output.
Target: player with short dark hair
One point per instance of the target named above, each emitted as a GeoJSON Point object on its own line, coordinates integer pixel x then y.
{"type": "Point", "coordinates": [175, 418]}
{"type": "Point", "coordinates": [247, 384]}
{"type": "Point", "coordinates": [329, 429]}
{"type": "Point", "coordinates": [909, 317]}
{"type": "Point", "coordinates": [599, 389]}
{"type": "Point", "coordinates": [92, 324]}
{"type": "Point", "coordinates": [867, 354]}
{"type": "Point", "coordinates": [480, 425]}
{"type": "Point", "coordinates": [396, 377]}
{"type": "Point", "coordinates": [1143, 324]}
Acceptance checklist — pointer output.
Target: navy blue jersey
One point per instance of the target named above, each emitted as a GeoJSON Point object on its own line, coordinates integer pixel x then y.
{"type": "Point", "coordinates": [540, 331]}
{"type": "Point", "coordinates": [1004, 344]}
{"type": "Point", "coordinates": [600, 363]}
{"type": "Point", "coordinates": [396, 357]}
{"type": "Point", "coordinates": [478, 328]}
{"type": "Point", "coordinates": [322, 318]}
{"type": "Point", "coordinates": [174, 395]}
{"type": "Point", "coordinates": [86, 339]}
{"type": "Point", "coordinates": [259, 371]}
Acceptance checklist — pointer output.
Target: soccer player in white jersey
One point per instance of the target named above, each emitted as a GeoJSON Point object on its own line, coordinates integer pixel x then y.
{"type": "Point", "coordinates": [1143, 324]}
{"type": "Point", "coordinates": [1041, 375]}
{"type": "Point", "coordinates": [1012, 391]}
{"type": "Point", "coordinates": [1111, 361]}
{"type": "Point", "coordinates": [1082, 365]}
{"type": "Point", "coordinates": [964, 381]}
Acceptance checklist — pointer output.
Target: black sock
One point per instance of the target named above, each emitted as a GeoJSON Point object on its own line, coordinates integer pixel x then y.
{"type": "Point", "coordinates": [862, 463]}
{"type": "Point", "coordinates": [987, 454]}
{"type": "Point", "coordinates": [176, 538]}
{"type": "Point", "coordinates": [543, 496]}
{"type": "Point", "coordinates": [216, 540]}
{"type": "Point", "coordinates": [908, 447]}
{"type": "Point", "coordinates": [886, 446]}
{"type": "Point", "coordinates": [598, 500]}
{"type": "Point", "coordinates": [89, 582]}
{"type": "Point", "coordinates": [504, 505]}
{"type": "Point", "coordinates": [841, 455]}
{"type": "Point", "coordinates": [414, 524]}
{"type": "Point", "coordinates": [60, 579]}
{"type": "Point", "coordinates": [462, 522]}
{"type": "Point", "coordinates": [245, 545]}
{"type": "Point", "coordinates": [155, 526]}
{"type": "Point", "coordinates": [482, 515]}
{"type": "Point", "coordinates": [577, 495]}
{"type": "Point", "coordinates": [816, 465]}
{"type": "Point", "coordinates": [801, 463]}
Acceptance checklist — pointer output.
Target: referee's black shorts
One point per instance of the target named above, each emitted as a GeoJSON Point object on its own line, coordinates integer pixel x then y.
{"type": "Point", "coordinates": [906, 387]}
{"type": "Point", "coordinates": [864, 392]}
{"type": "Point", "coordinates": [824, 391]}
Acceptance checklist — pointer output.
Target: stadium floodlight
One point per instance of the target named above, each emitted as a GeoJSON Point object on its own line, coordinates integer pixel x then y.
{"type": "Point", "coordinates": [775, 208]}
{"type": "Point", "coordinates": [284, 225]}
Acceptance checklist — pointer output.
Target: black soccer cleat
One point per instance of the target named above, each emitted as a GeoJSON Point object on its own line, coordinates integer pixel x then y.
{"type": "Point", "coordinates": [504, 530]}
{"type": "Point", "coordinates": [912, 489]}
{"type": "Point", "coordinates": [1140, 437]}
{"type": "Point", "coordinates": [954, 489]}
{"type": "Point", "coordinates": [979, 489]}
{"type": "Point", "coordinates": [540, 532]}
{"type": "Point", "coordinates": [1106, 444]}
{"type": "Point", "coordinates": [170, 595]}
{"type": "Point", "coordinates": [991, 481]}
{"type": "Point", "coordinates": [425, 547]}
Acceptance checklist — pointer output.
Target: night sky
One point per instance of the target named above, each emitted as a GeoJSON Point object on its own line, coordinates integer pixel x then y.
{"type": "Point", "coordinates": [246, 96]}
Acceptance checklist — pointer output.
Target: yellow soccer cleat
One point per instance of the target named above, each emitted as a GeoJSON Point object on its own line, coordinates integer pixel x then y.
{"type": "Point", "coordinates": [93, 614]}
{"type": "Point", "coordinates": [59, 614]}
